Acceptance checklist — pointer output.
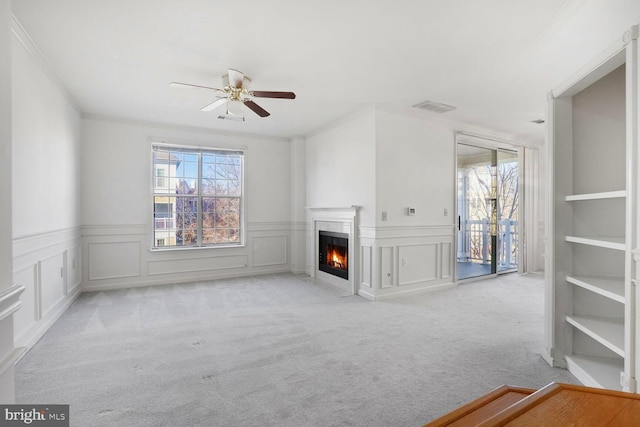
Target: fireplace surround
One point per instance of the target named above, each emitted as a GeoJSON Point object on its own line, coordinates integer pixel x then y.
{"type": "Point", "coordinates": [338, 223]}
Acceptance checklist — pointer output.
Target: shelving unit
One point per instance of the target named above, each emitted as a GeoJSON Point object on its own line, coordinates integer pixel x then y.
{"type": "Point", "coordinates": [593, 157]}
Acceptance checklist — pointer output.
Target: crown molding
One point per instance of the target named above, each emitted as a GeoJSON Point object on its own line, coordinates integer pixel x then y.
{"type": "Point", "coordinates": [30, 46]}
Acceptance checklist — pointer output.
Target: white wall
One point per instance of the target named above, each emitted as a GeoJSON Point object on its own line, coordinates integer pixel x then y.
{"type": "Point", "coordinates": [45, 198]}
{"type": "Point", "coordinates": [341, 166]}
{"type": "Point", "coordinates": [46, 146]}
{"type": "Point", "coordinates": [415, 166]}
{"type": "Point", "coordinates": [117, 211]}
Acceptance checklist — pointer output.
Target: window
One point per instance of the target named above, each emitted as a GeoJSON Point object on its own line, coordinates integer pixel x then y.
{"type": "Point", "coordinates": [161, 173]}
{"type": "Point", "coordinates": [197, 197]}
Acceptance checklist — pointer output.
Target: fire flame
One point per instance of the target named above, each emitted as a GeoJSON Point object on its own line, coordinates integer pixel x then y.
{"type": "Point", "coordinates": [337, 258]}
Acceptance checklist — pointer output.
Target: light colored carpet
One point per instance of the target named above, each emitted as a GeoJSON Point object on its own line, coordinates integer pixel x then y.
{"type": "Point", "coordinates": [284, 350]}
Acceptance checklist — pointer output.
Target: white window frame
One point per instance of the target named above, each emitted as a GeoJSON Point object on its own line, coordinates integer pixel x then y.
{"type": "Point", "coordinates": [200, 149]}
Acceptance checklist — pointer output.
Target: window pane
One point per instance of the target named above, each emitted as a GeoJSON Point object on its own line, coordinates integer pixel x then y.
{"type": "Point", "coordinates": [179, 194]}
{"type": "Point", "coordinates": [186, 221]}
{"type": "Point", "coordinates": [208, 166]}
{"type": "Point", "coordinates": [234, 235]}
{"type": "Point", "coordinates": [218, 219]}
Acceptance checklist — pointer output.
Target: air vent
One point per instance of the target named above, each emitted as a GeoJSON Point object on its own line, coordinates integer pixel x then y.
{"type": "Point", "coordinates": [434, 107]}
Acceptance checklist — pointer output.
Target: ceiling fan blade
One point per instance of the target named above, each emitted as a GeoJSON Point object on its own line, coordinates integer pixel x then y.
{"type": "Point", "coordinates": [235, 78]}
{"type": "Point", "coordinates": [271, 94]}
{"type": "Point", "coordinates": [256, 108]}
{"type": "Point", "coordinates": [215, 104]}
{"type": "Point", "coordinates": [190, 86]}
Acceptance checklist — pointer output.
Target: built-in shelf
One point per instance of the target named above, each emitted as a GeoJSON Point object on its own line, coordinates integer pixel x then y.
{"type": "Point", "coordinates": [611, 288]}
{"type": "Point", "coordinates": [616, 243]}
{"type": "Point", "coordinates": [597, 196]}
{"type": "Point", "coordinates": [595, 371]}
{"type": "Point", "coordinates": [608, 331]}
{"type": "Point", "coordinates": [593, 226]}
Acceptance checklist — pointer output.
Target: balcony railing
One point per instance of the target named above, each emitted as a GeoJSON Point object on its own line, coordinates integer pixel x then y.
{"type": "Point", "coordinates": [474, 243]}
{"type": "Point", "coordinates": [164, 223]}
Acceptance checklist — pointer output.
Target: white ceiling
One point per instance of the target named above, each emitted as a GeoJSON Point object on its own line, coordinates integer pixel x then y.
{"type": "Point", "coordinates": [495, 60]}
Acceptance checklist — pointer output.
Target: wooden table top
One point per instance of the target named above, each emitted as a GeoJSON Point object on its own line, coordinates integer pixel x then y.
{"type": "Point", "coordinates": [556, 405]}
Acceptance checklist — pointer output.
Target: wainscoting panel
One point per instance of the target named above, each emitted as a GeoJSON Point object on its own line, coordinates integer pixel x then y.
{"type": "Point", "coordinates": [73, 270]}
{"type": "Point", "coordinates": [446, 260]}
{"type": "Point", "coordinates": [189, 265]}
{"type": "Point", "coordinates": [113, 260]}
{"type": "Point", "coordinates": [386, 267]}
{"type": "Point", "coordinates": [48, 266]}
{"type": "Point", "coordinates": [120, 256]}
{"type": "Point", "coordinates": [365, 274]}
{"type": "Point", "coordinates": [407, 259]}
{"type": "Point", "coordinates": [269, 251]}
{"type": "Point", "coordinates": [50, 283]}
{"type": "Point", "coordinates": [418, 263]}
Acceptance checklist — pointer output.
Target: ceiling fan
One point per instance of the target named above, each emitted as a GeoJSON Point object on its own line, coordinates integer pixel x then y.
{"type": "Point", "coordinates": [234, 93]}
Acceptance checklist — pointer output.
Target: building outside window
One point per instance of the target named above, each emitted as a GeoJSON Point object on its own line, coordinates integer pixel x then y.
{"type": "Point", "coordinates": [197, 197]}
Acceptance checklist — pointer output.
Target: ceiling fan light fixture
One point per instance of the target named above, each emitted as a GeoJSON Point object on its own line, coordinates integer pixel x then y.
{"type": "Point", "coordinates": [233, 111]}
{"type": "Point", "coordinates": [236, 95]}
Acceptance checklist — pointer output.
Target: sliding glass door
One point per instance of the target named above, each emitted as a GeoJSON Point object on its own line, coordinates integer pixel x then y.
{"type": "Point", "coordinates": [487, 223]}
{"type": "Point", "coordinates": [508, 207]}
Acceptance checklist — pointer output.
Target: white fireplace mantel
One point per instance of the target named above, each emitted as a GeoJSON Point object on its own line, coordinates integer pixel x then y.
{"type": "Point", "coordinates": [342, 219]}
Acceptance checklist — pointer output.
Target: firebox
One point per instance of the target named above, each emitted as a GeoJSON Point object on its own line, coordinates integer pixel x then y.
{"type": "Point", "coordinates": [333, 249]}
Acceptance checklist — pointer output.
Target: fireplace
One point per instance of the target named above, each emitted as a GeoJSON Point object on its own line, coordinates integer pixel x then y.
{"type": "Point", "coordinates": [333, 253]}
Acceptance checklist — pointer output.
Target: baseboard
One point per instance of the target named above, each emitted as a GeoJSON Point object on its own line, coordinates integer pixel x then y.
{"type": "Point", "coordinates": [395, 293]}
{"type": "Point", "coordinates": [554, 361]}
{"type": "Point", "coordinates": [366, 294]}
{"type": "Point", "coordinates": [11, 359]}
{"type": "Point", "coordinates": [170, 281]}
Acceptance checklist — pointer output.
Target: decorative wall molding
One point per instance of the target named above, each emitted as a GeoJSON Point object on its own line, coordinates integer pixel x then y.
{"type": "Point", "coordinates": [114, 260]}
{"type": "Point", "coordinates": [53, 239]}
{"type": "Point", "coordinates": [366, 263]}
{"type": "Point", "coordinates": [10, 300]}
{"type": "Point", "coordinates": [115, 230]}
{"type": "Point", "coordinates": [269, 250]}
{"type": "Point", "coordinates": [399, 232]}
{"type": "Point", "coordinates": [196, 264]}
{"type": "Point", "coordinates": [411, 271]}
{"type": "Point", "coordinates": [50, 285]}
{"type": "Point", "coordinates": [47, 266]}
{"type": "Point", "coordinates": [120, 256]}
{"type": "Point", "coordinates": [405, 259]}
{"type": "Point", "coordinates": [268, 226]}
